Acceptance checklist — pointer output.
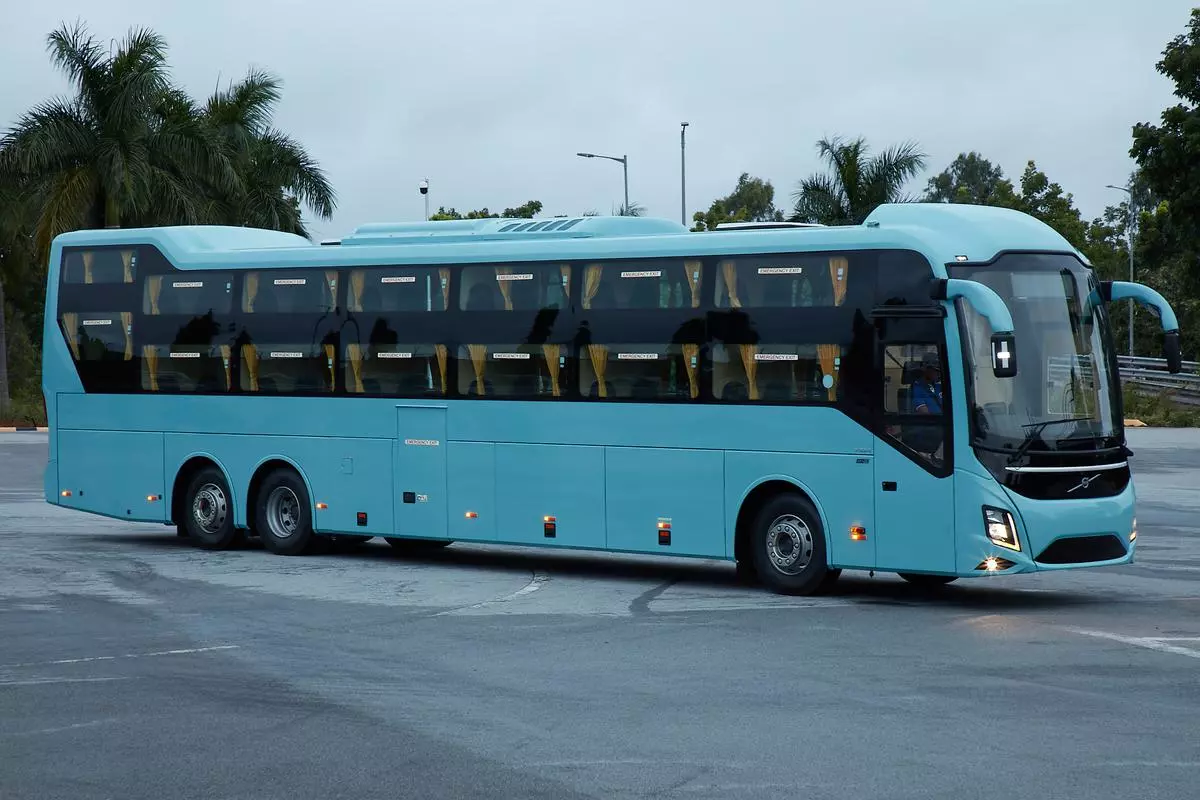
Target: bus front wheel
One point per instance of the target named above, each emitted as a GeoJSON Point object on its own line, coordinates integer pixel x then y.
{"type": "Point", "coordinates": [208, 515]}
{"type": "Point", "coordinates": [283, 517]}
{"type": "Point", "coordinates": [789, 546]}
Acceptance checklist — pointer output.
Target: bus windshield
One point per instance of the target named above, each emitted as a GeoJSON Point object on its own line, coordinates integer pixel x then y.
{"type": "Point", "coordinates": [1064, 396]}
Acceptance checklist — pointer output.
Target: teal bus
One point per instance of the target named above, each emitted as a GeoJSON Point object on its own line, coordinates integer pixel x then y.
{"type": "Point", "coordinates": [932, 393]}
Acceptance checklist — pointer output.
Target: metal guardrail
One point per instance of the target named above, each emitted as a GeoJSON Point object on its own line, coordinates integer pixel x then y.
{"type": "Point", "coordinates": [1150, 376]}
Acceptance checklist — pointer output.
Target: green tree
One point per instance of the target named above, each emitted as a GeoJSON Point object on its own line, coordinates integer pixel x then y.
{"type": "Point", "coordinates": [970, 179]}
{"type": "Point", "coordinates": [752, 200]}
{"type": "Point", "coordinates": [527, 210]}
{"type": "Point", "coordinates": [856, 182]}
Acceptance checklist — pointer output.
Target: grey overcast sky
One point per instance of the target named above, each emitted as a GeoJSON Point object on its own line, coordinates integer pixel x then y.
{"type": "Point", "coordinates": [491, 100]}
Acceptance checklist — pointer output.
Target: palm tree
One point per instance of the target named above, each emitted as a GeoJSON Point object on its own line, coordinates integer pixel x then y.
{"type": "Point", "coordinates": [276, 172]}
{"type": "Point", "coordinates": [108, 154]}
{"type": "Point", "coordinates": [856, 183]}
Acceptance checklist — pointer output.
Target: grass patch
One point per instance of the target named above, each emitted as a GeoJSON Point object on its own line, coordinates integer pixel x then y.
{"type": "Point", "coordinates": [1160, 410]}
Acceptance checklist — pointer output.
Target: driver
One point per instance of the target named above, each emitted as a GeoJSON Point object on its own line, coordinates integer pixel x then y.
{"type": "Point", "coordinates": [927, 389]}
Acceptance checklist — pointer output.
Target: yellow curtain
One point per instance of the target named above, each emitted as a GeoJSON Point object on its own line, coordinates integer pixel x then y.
{"type": "Point", "coordinates": [150, 354]}
{"type": "Point", "coordinates": [442, 357]}
{"type": "Point", "coordinates": [154, 288]}
{"type": "Point", "coordinates": [71, 329]}
{"type": "Point", "coordinates": [358, 281]}
{"type": "Point", "coordinates": [552, 352]}
{"type": "Point", "coordinates": [839, 271]}
{"type": "Point", "coordinates": [444, 274]}
{"type": "Point", "coordinates": [729, 273]}
{"type": "Point", "coordinates": [591, 284]}
{"type": "Point", "coordinates": [478, 361]}
{"type": "Point", "coordinates": [251, 293]}
{"type": "Point", "coordinates": [330, 352]}
{"type": "Point", "coordinates": [127, 324]}
{"type": "Point", "coordinates": [88, 258]}
{"type": "Point", "coordinates": [355, 356]}
{"type": "Point", "coordinates": [565, 269]}
{"type": "Point", "coordinates": [691, 357]}
{"type": "Point", "coordinates": [505, 286]}
{"type": "Point", "coordinates": [598, 353]}
{"type": "Point", "coordinates": [826, 353]}
{"type": "Point", "coordinates": [750, 365]}
{"type": "Point", "coordinates": [331, 286]}
{"type": "Point", "coordinates": [250, 356]}
{"type": "Point", "coordinates": [226, 353]}
{"type": "Point", "coordinates": [127, 260]}
{"type": "Point", "coordinates": [692, 268]}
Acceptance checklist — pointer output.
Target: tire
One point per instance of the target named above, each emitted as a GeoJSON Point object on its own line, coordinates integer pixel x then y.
{"type": "Point", "coordinates": [208, 512]}
{"type": "Point", "coordinates": [283, 516]}
{"type": "Point", "coordinates": [788, 545]}
{"type": "Point", "coordinates": [417, 545]}
{"type": "Point", "coordinates": [927, 581]}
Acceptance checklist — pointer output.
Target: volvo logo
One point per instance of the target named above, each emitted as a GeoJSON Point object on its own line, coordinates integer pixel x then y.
{"type": "Point", "coordinates": [1083, 484]}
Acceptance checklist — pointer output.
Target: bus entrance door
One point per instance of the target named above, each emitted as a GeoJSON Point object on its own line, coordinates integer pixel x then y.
{"type": "Point", "coordinates": [421, 471]}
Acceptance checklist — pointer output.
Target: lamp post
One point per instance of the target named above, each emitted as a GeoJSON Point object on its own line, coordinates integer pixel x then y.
{"type": "Point", "coordinates": [683, 173]}
{"type": "Point", "coordinates": [1132, 215]}
{"type": "Point", "coordinates": [624, 161]}
{"type": "Point", "coordinates": [424, 187]}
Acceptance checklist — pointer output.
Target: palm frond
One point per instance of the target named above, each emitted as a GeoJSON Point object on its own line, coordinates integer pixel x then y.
{"type": "Point", "coordinates": [53, 136]}
{"type": "Point", "coordinates": [291, 168]}
{"type": "Point", "coordinates": [83, 59]}
{"type": "Point", "coordinates": [890, 170]}
{"type": "Point", "coordinates": [66, 200]}
{"type": "Point", "coordinates": [819, 199]}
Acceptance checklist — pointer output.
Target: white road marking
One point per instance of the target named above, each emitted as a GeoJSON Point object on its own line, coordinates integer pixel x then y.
{"type": "Point", "coordinates": [126, 655]}
{"type": "Point", "coordinates": [40, 681]}
{"type": "Point", "coordinates": [538, 580]}
{"type": "Point", "coordinates": [65, 728]}
{"type": "Point", "coordinates": [1149, 642]}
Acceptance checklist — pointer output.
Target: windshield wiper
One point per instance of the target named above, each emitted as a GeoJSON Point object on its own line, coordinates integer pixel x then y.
{"type": "Point", "coordinates": [1038, 427]}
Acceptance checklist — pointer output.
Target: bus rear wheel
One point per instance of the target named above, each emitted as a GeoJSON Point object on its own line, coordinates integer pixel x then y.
{"type": "Point", "coordinates": [283, 517]}
{"type": "Point", "coordinates": [788, 545]}
{"type": "Point", "coordinates": [208, 513]}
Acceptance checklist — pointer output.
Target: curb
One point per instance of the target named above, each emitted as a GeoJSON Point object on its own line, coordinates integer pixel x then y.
{"type": "Point", "coordinates": [24, 429]}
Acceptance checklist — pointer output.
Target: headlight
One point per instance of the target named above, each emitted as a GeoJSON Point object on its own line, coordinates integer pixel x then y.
{"type": "Point", "coordinates": [1001, 528]}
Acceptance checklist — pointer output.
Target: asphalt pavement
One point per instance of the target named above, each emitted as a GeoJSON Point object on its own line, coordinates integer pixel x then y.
{"type": "Point", "coordinates": [134, 666]}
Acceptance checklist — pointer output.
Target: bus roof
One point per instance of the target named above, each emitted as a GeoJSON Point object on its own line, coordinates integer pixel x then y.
{"type": "Point", "coordinates": [944, 233]}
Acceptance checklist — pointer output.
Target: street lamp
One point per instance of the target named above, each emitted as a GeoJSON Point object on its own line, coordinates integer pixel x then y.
{"type": "Point", "coordinates": [682, 174]}
{"type": "Point", "coordinates": [424, 187]}
{"type": "Point", "coordinates": [624, 161]}
{"type": "Point", "coordinates": [1132, 215]}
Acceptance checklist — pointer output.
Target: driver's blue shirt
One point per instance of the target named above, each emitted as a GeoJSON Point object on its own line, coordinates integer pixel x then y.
{"type": "Point", "coordinates": [928, 395]}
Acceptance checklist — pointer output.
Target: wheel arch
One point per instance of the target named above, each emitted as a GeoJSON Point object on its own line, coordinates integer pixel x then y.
{"type": "Point", "coordinates": [188, 467]}
{"type": "Point", "coordinates": [761, 492]}
{"type": "Point", "coordinates": [259, 474]}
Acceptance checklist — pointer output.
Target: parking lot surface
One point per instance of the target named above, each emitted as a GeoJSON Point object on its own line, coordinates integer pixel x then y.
{"type": "Point", "coordinates": [134, 666]}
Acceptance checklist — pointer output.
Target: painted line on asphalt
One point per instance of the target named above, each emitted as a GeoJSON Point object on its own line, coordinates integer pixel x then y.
{"type": "Point", "coordinates": [90, 659]}
{"type": "Point", "coordinates": [64, 728]}
{"type": "Point", "coordinates": [1148, 642]}
{"type": "Point", "coordinates": [41, 681]}
{"type": "Point", "coordinates": [538, 580]}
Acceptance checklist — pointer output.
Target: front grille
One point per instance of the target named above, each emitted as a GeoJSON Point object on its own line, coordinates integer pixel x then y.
{"type": "Point", "coordinates": [1082, 549]}
{"type": "Point", "coordinates": [1081, 485]}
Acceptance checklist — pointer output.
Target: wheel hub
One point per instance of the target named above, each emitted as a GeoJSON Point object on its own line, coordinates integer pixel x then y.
{"type": "Point", "coordinates": [789, 544]}
{"type": "Point", "coordinates": [283, 512]}
{"type": "Point", "coordinates": [210, 508]}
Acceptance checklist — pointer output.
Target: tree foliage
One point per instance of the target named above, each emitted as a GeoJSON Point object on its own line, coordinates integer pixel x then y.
{"type": "Point", "coordinates": [527, 210]}
{"type": "Point", "coordinates": [752, 200]}
{"type": "Point", "coordinates": [970, 179]}
{"type": "Point", "coordinates": [856, 181]}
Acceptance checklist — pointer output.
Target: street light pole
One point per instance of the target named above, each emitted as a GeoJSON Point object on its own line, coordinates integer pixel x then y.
{"type": "Point", "coordinates": [624, 162]}
{"type": "Point", "coordinates": [683, 173]}
{"type": "Point", "coordinates": [424, 187]}
{"type": "Point", "coordinates": [1132, 216]}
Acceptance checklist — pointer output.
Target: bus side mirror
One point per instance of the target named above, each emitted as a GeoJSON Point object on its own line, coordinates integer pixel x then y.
{"type": "Point", "coordinates": [1172, 352]}
{"type": "Point", "coordinates": [1004, 355]}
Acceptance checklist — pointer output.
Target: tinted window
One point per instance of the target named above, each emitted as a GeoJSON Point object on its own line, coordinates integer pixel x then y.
{"type": "Point", "coordinates": [187, 293]}
{"type": "Point", "coordinates": [108, 265]}
{"type": "Point", "coordinates": [287, 368]}
{"type": "Point", "coordinates": [662, 283]}
{"type": "Point", "coordinates": [775, 373]}
{"type": "Point", "coordinates": [99, 336]}
{"type": "Point", "coordinates": [186, 369]}
{"type": "Point", "coordinates": [489, 370]}
{"type": "Point", "coordinates": [289, 292]}
{"type": "Point", "coordinates": [519, 287]}
{"type": "Point", "coordinates": [639, 371]}
{"type": "Point", "coordinates": [399, 289]}
{"type": "Point", "coordinates": [772, 281]}
{"type": "Point", "coordinates": [396, 369]}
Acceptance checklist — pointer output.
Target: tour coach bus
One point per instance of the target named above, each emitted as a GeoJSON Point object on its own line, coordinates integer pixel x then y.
{"type": "Point", "coordinates": [932, 393]}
